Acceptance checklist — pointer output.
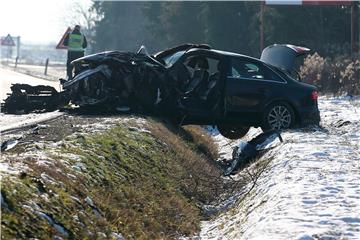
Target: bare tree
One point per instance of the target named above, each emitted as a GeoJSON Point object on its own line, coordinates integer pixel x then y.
{"type": "Point", "coordinates": [86, 17]}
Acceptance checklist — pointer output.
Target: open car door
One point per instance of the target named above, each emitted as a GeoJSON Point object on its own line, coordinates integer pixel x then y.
{"type": "Point", "coordinates": [283, 55]}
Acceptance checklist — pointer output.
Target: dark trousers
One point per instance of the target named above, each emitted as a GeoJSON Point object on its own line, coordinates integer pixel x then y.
{"type": "Point", "coordinates": [72, 55]}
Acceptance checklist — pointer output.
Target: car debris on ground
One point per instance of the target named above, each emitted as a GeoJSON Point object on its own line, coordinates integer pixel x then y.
{"type": "Point", "coordinates": [244, 152]}
{"type": "Point", "coordinates": [9, 144]}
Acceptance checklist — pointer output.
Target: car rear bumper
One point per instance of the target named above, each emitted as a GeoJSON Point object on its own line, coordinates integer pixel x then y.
{"type": "Point", "coordinates": [309, 115]}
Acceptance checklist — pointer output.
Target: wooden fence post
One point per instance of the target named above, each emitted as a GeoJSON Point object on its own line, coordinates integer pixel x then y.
{"type": "Point", "coordinates": [46, 66]}
{"type": "Point", "coordinates": [16, 61]}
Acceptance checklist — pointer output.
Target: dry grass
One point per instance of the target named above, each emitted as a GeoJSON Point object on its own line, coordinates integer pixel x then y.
{"type": "Point", "coordinates": [202, 141]}
{"type": "Point", "coordinates": [202, 180]}
{"type": "Point", "coordinates": [143, 185]}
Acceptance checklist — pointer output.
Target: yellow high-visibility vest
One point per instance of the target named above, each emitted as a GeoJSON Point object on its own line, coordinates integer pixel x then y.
{"type": "Point", "coordinates": [76, 42]}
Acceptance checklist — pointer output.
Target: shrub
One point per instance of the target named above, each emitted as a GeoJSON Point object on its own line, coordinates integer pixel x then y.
{"type": "Point", "coordinates": [312, 69]}
{"type": "Point", "coordinates": [350, 78]}
{"type": "Point", "coordinates": [339, 75]}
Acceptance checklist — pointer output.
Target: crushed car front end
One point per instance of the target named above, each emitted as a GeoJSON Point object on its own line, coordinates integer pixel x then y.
{"type": "Point", "coordinates": [115, 79]}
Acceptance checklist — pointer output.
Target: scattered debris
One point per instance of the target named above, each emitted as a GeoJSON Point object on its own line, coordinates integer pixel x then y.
{"type": "Point", "coordinates": [247, 151]}
{"type": "Point", "coordinates": [341, 123]}
{"type": "Point", "coordinates": [9, 144]}
{"type": "Point", "coordinates": [25, 98]}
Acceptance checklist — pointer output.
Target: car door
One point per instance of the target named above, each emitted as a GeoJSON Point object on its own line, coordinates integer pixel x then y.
{"type": "Point", "coordinates": [249, 85]}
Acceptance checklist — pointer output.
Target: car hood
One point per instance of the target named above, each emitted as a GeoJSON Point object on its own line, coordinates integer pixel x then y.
{"type": "Point", "coordinates": [98, 57]}
{"type": "Point", "coordinates": [283, 55]}
{"type": "Point", "coordinates": [117, 58]}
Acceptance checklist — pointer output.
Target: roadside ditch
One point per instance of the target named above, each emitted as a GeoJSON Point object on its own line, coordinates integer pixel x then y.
{"type": "Point", "coordinates": [110, 177]}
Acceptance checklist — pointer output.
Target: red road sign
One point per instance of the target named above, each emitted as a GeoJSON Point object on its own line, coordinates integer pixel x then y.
{"type": "Point", "coordinates": [61, 45]}
{"type": "Point", "coordinates": [329, 3]}
{"type": "Point", "coordinates": [7, 41]}
{"type": "Point", "coordinates": [309, 2]}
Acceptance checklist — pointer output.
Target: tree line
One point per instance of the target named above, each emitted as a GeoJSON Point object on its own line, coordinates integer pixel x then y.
{"type": "Point", "coordinates": [232, 26]}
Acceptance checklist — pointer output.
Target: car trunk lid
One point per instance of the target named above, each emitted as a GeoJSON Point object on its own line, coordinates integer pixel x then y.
{"type": "Point", "coordinates": [283, 55]}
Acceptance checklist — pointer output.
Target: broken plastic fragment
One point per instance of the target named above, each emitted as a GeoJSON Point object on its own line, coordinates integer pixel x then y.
{"type": "Point", "coordinates": [9, 144]}
{"type": "Point", "coordinates": [246, 151]}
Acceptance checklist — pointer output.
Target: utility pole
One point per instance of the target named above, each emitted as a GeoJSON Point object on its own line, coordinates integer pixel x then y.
{"type": "Point", "coordinates": [352, 45]}
{"type": "Point", "coordinates": [17, 46]}
{"type": "Point", "coordinates": [262, 8]}
{"type": "Point", "coordinates": [355, 28]}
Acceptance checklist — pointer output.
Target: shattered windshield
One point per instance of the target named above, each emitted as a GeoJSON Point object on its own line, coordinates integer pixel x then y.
{"type": "Point", "coordinates": [171, 59]}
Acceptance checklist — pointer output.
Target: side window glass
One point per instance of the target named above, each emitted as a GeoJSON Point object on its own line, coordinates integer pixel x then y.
{"type": "Point", "coordinates": [234, 73]}
{"type": "Point", "coordinates": [252, 70]}
{"type": "Point", "coordinates": [271, 75]}
{"type": "Point", "coordinates": [243, 69]}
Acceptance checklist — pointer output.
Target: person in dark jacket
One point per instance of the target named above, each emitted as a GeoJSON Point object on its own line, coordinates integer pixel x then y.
{"type": "Point", "coordinates": [76, 43]}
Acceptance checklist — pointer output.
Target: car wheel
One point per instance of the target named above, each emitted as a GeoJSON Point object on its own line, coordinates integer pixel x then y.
{"type": "Point", "coordinates": [233, 131]}
{"type": "Point", "coordinates": [278, 116]}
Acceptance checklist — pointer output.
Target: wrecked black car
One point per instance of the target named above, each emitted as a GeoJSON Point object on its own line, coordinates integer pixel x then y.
{"type": "Point", "coordinates": [195, 84]}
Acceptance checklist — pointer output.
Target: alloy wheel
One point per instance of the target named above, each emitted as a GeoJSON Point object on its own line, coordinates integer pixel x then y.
{"type": "Point", "coordinates": [279, 117]}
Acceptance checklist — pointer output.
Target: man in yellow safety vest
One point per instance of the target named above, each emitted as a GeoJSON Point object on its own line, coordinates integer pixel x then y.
{"type": "Point", "coordinates": [76, 43]}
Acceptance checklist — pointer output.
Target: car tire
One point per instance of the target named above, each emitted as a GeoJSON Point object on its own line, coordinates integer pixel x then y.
{"type": "Point", "coordinates": [233, 131]}
{"type": "Point", "coordinates": [279, 115]}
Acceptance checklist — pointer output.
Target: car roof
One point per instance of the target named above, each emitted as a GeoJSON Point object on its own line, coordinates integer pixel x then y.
{"type": "Point", "coordinates": [222, 53]}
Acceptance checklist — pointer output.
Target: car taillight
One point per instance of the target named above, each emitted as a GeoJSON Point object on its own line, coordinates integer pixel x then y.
{"type": "Point", "coordinates": [314, 95]}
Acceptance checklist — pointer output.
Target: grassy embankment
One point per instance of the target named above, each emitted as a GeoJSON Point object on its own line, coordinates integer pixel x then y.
{"type": "Point", "coordinates": [142, 184]}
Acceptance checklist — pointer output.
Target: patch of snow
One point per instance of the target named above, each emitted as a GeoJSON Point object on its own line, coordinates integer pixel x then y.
{"type": "Point", "coordinates": [58, 227]}
{"type": "Point", "coordinates": [311, 189]}
{"type": "Point", "coordinates": [136, 129]}
{"type": "Point", "coordinates": [101, 235]}
{"type": "Point", "coordinates": [76, 200]}
{"type": "Point", "coordinates": [117, 236]}
{"type": "Point", "coordinates": [80, 167]}
{"type": "Point", "coordinates": [47, 178]}
{"type": "Point", "coordinates": [6, 168]}
{"type": "Point", "coordinates": [11, 121]}
{"type": "Point", "coordinates": [89, 201]}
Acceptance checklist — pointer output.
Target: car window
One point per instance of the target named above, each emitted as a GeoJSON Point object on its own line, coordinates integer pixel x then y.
{"type": "Point", "coordinates": [284, 74]}
{"type": "Point", "coordinates": [241, 68]}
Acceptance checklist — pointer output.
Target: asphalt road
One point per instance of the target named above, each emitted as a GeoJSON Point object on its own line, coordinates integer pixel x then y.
{"type": "Point", "coordinates": [8, 77]}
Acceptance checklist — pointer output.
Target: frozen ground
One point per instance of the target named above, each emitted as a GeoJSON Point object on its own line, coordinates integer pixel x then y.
{"type": "Point", "coordinates": [311, 189]}
{"type": "Point", "coordinates": [11, 121]}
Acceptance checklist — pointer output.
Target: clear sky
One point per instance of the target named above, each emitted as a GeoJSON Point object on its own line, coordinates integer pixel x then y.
{"type": "Point", "coordinates": [37, 21]}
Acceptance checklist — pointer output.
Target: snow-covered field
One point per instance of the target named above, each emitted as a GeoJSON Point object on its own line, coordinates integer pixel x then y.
{"type": "Point", "coordinates": [311, 190]}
